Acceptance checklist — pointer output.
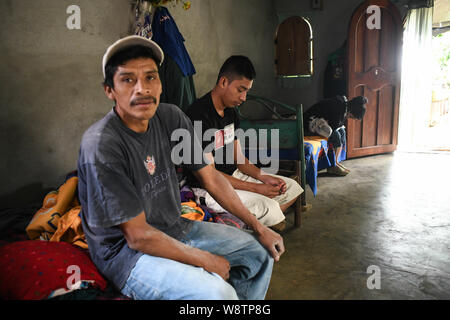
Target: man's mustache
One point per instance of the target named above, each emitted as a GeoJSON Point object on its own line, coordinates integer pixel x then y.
{"type": "Point", "coordinates": [143, 100]}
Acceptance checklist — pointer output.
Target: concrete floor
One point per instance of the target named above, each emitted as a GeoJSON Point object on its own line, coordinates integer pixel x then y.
{"type": "Point", "coordinates": [393, 212]}
{"type": "Point", "coordinates": [438, 136]}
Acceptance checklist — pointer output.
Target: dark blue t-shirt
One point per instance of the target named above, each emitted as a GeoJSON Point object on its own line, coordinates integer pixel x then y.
{"type": "Point", "coordinates": [123, 173]}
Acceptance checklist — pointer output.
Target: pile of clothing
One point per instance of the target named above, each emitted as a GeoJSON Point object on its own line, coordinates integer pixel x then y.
{"type": "Point", "coordinates": [59, 217]}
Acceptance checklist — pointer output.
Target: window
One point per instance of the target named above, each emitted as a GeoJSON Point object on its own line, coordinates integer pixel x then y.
{"type": "Point", "coordinates": [294, 49]}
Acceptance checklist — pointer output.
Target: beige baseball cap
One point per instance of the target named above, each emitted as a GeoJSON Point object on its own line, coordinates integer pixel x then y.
{"type": "Point", "coordinates": [128, 42]}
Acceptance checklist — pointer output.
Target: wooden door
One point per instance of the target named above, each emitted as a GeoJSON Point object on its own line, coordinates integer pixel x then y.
{"type": "Point", "coordinates": [374, 61]}
{"type": "Point", "coordinates": [293, 41]}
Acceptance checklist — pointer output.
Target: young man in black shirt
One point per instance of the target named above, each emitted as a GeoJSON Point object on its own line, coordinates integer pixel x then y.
{"type": "Point", "coordinates": [266, 196]}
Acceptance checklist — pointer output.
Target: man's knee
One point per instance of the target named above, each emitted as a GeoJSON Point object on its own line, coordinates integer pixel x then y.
{"type": "Point", "coordinates": [262, 254]}
{"type": "Point", "coordinates": [270, 209]}
{"type": "Point", "coordinates": [218, 290]}
{"type": "Point", "coordinates": [293, 188]}
{"type": "Point", "coordinates": [336, 139]}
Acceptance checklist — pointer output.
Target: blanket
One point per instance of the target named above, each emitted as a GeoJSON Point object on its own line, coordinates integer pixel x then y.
{"type": "Point", "coordinates": [319, 155]}
{"type": "Point", "coordinates": [59, 217]}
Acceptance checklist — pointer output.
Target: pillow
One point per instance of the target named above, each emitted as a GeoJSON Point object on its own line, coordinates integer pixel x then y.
{"type": "Point", "coordinates": [34, 269]}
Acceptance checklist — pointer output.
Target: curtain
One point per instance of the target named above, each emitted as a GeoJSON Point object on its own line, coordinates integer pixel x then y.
{"type": "Point", "coordinates": [416, 86]}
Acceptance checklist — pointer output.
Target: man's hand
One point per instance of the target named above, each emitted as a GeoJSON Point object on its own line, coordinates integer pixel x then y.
{"type": "Point", "coordinates": [272, 241]}
{"type": "Point", "coordinates": [217, 264]}
{"type": "Point", "coordinates": [274, 181]}
{"type": "Point", "coordinates": [268, 190]}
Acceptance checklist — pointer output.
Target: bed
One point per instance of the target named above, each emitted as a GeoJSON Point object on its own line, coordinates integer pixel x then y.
{"type": "Point", "coordinates": [319, 155]}
{"type": "Point", "coordinates": [288, 122]}
{"type": "Point", "coordinates": [42, 269]}
{"type": "Point", "coordinates": [310, 154]}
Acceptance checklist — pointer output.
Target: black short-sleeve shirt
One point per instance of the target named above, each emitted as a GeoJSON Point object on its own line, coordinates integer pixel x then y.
{"type": "Point", "coordinates": [333, 110]}
{"type": "Point", "coordinates": [217, 132]}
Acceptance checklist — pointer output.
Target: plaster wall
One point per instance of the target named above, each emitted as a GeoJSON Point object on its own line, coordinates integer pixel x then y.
{"type": "Point", "coordinates": [50, 76]}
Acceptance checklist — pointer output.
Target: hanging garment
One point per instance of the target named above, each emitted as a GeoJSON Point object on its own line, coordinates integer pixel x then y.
{"type": "Point", "coordinates": [142, 24]}
{"type": "Point", "coordinates": [169, 38]}
{"type": "Point", "coordinates": [177, 88]}
{"type": "Point", "coordinates": [335, 79]}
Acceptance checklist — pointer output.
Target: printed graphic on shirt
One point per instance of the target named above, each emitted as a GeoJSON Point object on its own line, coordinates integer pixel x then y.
{"type": "Point", "coordinates": [224, 136]}
{"type": "Point", "coordinates": [229, 133]}
{"type": "Point", "coordinates": [218, 139]}
{"type": "Point", "coordinates": [157, 184]}
{"type": "Point", "coordinates": [150, 165]}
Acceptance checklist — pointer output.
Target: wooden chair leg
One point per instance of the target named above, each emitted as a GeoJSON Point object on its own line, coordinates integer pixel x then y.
{"type": "Point", "coordinates": [298, 213]}
{"type": "Point", "coordinates": [300, 200]}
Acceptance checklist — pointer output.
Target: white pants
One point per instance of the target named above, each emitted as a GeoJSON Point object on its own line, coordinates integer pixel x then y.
{"type": "Point", "coordinates": [266, 210]}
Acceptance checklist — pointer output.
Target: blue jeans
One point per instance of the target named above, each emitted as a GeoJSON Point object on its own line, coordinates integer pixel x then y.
{"type": "Point", "coordinates": [155, 278]}
{"type": "Point", "coordinates": [337, 138]}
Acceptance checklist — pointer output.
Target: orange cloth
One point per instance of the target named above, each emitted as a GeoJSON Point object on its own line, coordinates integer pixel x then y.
{"type": "Point", "coordinates": [190, 210]}
{"type": "Point", "coordinates": [58, 219]}
{"type": "Point", "coordinates": [70, 229]}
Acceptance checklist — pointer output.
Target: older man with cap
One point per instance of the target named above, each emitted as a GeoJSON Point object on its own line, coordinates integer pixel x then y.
{"type": "Point", "coordinates": [130, 197]}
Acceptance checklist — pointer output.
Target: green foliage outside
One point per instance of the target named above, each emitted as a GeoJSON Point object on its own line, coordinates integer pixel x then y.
{"type": "Point", "coordinates": [441, 62]}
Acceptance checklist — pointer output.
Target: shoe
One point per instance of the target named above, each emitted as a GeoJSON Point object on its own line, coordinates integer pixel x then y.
{"type": "Point", "coordinates": [337, 170]}
{"type": "Point", "coordinates": [279, 227]}
{"type": "Point", "coordinates": [342, 166]}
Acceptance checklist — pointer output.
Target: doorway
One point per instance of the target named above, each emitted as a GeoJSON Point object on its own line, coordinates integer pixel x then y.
{"type": "Point", "coordinates": [424, 120]}
{"type": "Point", "coordinates": [438, 130]}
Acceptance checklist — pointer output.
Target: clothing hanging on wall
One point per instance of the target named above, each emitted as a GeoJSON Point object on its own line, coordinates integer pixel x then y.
{"type": "Point", "coordinates": [177, 69]}
{"type": "Point", "coordinates": [335, 79]}
{"type": "Point", "coordinates": [167, 35]}
{"type": "Point", "coordinates": [142, 24]}
{"type": "Point", "coordinates": [177, 88]}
